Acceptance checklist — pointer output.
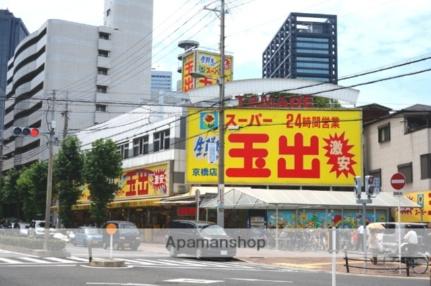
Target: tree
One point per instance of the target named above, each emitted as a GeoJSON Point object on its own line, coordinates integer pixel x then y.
{"type": "Point", "coordinates": [68, 177]}
{"type": "Point", "coordinates": [102, 166]}
{"type": "Point", "coordinates": [31, 184]}
{"type": "Point", "coordinates": [10, 197]}
{"type": "Point", "coordinates": [323, 102]}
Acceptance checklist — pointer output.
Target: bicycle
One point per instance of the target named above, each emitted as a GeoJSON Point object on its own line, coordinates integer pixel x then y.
{"type": "Point", "coordinates": [418, 264]}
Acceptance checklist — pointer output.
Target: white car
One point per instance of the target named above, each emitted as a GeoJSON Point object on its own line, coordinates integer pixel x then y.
{"type": "Point", "coordinates": [37, 228]}
{"type": "Point", "coordinates": [22, 228]}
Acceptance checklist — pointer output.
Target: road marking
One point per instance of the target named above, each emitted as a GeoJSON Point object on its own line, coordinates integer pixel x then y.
{"type": "Point", "coordinates": [37, 265]}
{"type": "Point", "coordinates": [261, 280]}
{"type": "Point", "coordinates": [121, 284]}
{"type": "Point", "coordinates": [78, 258]}
{"type": "Point", "coordinates": [56, 259]}
{"type": "Point", "coordinates": [137, 261]}
{"type": "Point", "coordinates": [10, 261]}
{"type": "Point", "coordinates": [182, 262]}
{"type": "Point", "coordinates": [30, 259]}
{"type": "Point", "coordinates": [193, 281]}
{"type": "Point", "coordinates": [157, 262]}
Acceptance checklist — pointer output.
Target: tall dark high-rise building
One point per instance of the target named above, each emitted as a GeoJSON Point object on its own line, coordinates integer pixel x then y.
{"type": "Point", "coordinates": [12, 31]}
{"type": "Point", "coordinates": [305, 47]}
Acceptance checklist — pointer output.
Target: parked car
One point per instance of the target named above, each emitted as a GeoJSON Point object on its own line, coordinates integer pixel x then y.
{"type": "Point", "coordinates": [37, 228]}
{"type": "Point", "coordinates": [127, 235]}
{"type": "Point", "coordinates": [203, 234]}
{"type": "Point", "coordinates": [83, 235]}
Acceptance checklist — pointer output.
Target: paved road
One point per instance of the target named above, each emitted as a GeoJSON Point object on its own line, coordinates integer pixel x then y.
{"type": "Point", "coordinates": [23, 270]}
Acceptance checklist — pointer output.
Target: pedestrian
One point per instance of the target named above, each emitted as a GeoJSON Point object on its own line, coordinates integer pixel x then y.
{"type": "Point", "coordinates": [410, 245]}
{"type": "Point", "coordinates": [373, 244]}
{"type": "Point", "coordinates": [361, 237]}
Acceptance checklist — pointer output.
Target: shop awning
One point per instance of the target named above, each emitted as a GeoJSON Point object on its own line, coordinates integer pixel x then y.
{"type": "Point", "coordinates": [191, 195]}
{"type": "Point", "coordinates": [147, 202]}
{"type": "Point", "coordinates": [246, 198]}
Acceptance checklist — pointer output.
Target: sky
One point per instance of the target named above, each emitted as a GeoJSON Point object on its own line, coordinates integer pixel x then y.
{"type": "Point", "coordinates": [372, 34]}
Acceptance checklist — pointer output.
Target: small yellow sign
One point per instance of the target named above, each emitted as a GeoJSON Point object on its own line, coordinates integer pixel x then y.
{"type": "Point", "coordinates": [422, 214]}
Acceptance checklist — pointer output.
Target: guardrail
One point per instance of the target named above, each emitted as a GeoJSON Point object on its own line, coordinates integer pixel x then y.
{"type": "Point", "coordinates": [368, 261]}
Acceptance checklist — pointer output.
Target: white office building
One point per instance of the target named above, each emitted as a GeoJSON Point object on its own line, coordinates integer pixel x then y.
{"type": "Point", "coordinates": [161, 81]}
{"type": "Point", "coordinates": [77, 75]}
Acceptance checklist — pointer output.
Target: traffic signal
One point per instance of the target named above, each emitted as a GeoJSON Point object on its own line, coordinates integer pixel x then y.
{"type": "Point", "coordinates": [26, 131]}
{"type": "Point", "coordinates": [370, 186]}
{"type": "Point", "coordinates": [358, 187]}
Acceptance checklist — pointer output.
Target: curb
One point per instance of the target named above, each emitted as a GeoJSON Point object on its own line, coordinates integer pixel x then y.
{"type": "Point", "coordinates": [107, 263]}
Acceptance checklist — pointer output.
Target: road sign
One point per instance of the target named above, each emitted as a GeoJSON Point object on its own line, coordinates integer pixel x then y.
{"type": "Point", "coordinates": [398, 181]}
{"type": "Point", "coordinates": [111, 228]}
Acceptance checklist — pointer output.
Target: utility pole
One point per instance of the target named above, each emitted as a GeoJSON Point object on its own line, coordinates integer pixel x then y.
{"type": "Point", "coordinates": [51, 131]}
{"type": "Point", "coordinates": [221, 83]}
{"type": "Point", "coordinates": [65, 130]}
{"type": "Point", "coordinates": [220, 205]}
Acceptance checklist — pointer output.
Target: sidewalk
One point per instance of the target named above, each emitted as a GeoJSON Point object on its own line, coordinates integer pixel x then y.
{"type": "Point", "coordinates": [325, 264]}
{"type": "Point", "coordinates": [309, 261]}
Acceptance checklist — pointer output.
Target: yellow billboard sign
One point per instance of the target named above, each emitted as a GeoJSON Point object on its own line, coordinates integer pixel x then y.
{"type": "Point", "coordinates": [276, 147]}
{"type": "Point", "coordinates": [422, 214]}
{"type": "Point", "coordinates": [208, 65]}
{"type": "Point", "coordinates": [139, 182]}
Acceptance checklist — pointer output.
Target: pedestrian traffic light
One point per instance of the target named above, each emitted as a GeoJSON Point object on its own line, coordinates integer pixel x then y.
{"type": "Point", "coordinates": [358, 187]}
{"type": "Point", "coordinates": [26, 131]}
{"type": "Point", "coordinates": [369, 186]}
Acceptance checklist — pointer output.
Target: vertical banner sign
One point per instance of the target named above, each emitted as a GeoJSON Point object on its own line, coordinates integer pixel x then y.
{"type": "Point", "coordinates": [189, 66]}
{"type": "Point", "coordinates": [297, 147]}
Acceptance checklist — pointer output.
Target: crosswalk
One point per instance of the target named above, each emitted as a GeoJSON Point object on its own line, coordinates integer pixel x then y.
{"type": "Point", "coordinates": [135, 262]}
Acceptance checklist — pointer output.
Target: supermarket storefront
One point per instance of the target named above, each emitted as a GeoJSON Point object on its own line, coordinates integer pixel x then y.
{"type": "Point", "coordinates": [301, 209]}
{"type": "Point", "coordinates": [138, 199]}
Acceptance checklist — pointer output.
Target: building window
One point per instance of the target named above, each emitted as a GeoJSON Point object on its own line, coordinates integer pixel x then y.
{"type": "Point", "coordinates": [407, 171]}
{"type": "Point", "coordinates": [123, 149]}
{"type": "Point", "coordinates": [103, 71]}
{"type": "Point", "coordinates": [101, 107]}
{"type": "Point", "coordinates": [102, 88]}
{"type": "Point", "coordinates": [103, 53]}
{"type": "Point", "coordinates": [161, 140]}
{"type": "Point", "coordinates": [140, 145]}
{"type": "Point", "coordinates": [104, 35]}
{"type": "Point", "coordinates": [384, 133]}
{"type": "Point", "coordinates": [414, 123]}
{"type": "Point", "coordinates": [426, 166]}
